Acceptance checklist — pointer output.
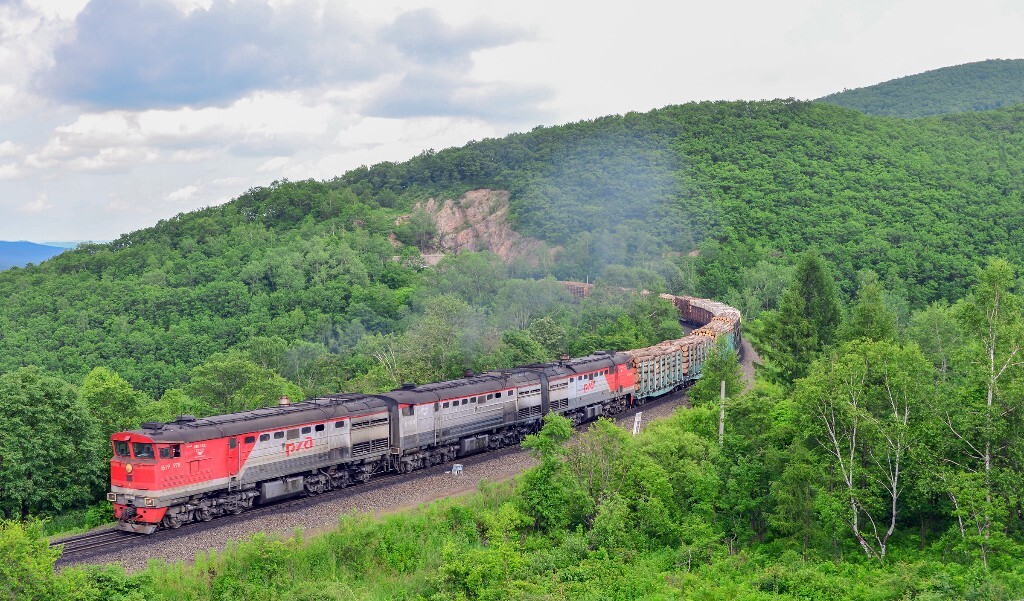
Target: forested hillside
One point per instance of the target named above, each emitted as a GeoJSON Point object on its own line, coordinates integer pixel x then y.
{"type": "Point", "coordinates": [916, 201]}
{"type": "Point", "coordinates": [980, 86]}
{"type": "Point", "coordinates": [311, 287]}
{"type": "Point", "coordinates": [710, 198]}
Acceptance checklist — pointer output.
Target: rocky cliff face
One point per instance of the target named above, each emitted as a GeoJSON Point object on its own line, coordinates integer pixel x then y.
{"type": "Point", "coordinates": [479, 221]}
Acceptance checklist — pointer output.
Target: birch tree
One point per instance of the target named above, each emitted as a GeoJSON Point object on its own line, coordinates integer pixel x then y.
{"type": "Point", "coordinates": [986, 422]}
{"type": "Point", "coordinates": [862, 402]}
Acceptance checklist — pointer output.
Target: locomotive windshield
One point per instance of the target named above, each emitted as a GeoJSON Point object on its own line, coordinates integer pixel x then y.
{"type": "Point", "coordinates": [142, 450]}
{"type": "Point", "coordinates": [121, 449]}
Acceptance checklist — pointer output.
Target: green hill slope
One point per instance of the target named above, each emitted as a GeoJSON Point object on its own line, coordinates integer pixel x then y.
{"type": "Point", "coordinates": [750, 184]}
{"type": "Point", "coordinates": [980, 86]}
{"type": "Point", "coordinates": [289, 262]}
{"type": "Point", "coordinates": [917, 201]}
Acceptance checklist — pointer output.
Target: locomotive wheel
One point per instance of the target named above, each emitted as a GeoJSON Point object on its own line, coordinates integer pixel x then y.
{"type": "Point", "coordinates": [204, 515]}
{"type": "Point", "coordinates": [172, 522]}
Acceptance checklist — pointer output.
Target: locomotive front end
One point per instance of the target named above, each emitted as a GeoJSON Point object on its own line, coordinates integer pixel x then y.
{"type": "Point", "coordinates": [134, 473]}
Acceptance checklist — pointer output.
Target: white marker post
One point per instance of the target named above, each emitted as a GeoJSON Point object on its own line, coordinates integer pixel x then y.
{"type": "Point", "coordinates": [636, 422]}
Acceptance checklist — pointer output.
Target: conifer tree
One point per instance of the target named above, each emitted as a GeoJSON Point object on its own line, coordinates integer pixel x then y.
{"type": "Point", "coordinates": [806, 322]}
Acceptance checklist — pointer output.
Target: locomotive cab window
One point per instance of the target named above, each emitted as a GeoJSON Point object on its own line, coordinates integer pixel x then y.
{"type": "Point", "coordinates": [464, 401]}
{"type": "Point", "coordinates": [250, 439]}
{"type": "Point", "coordinates": [278, 435]}
{"type": "Point", "coordinates": [318, 428]}
{"type": "Point", "coordinates": [340, 424]}
{"type": "Point", "coordinates": [307, 430]}
{"type": "Point", "coordinates": [446, 405]}
{"type": "Point", "coordinates": [407, 410]}
{"type": "Point", "coordinates": [497, 395]}
{"type": "Point", "coordinates": [165, 453]}
{"type": "Point", "coordinates": [490, 396]}
{"type": "Point", "coordinates": [264, 437]}
{"type": "Point", "coordinates": [122, 449]}
{"type": "Point", "coordinates": [142, 450]}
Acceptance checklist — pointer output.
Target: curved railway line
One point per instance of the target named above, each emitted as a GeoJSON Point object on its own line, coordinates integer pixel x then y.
{"type": "Point", "coordinates": [108, 542]}
{"type": "Point", "coordinates": [108, 545]}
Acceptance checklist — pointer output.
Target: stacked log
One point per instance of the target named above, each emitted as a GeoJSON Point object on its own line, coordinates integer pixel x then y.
{"type": "Point", "coordinates": [579, 289]}
{"type": "Point", "coordinates": [674, 363]}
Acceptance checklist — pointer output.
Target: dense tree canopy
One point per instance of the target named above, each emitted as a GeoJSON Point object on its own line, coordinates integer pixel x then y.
{"type": "Point", "coordinates": [980, 86]}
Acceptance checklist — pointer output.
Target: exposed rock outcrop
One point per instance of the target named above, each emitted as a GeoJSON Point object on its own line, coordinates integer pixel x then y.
{"type": "Point", "coordinates": [479, 221]}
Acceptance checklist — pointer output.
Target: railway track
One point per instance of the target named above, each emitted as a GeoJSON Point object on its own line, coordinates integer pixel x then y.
{"type": "Point", "coordinates": [93, 546]}
{"type": "Point", "coordinates": [90, 542]}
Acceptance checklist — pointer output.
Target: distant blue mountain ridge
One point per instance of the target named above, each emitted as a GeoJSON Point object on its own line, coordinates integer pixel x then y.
{"type": "Point", "coordinates": [19, 254]}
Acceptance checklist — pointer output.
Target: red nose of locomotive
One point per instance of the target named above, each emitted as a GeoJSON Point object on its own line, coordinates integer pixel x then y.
{"type": "Point", "coordinates": [134, 464]}
{"type": "Point", "coordinates": [134, 469]}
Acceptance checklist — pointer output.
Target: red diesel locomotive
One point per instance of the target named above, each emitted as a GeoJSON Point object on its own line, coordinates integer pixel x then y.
{"type": "Point", "coordinates": [167, 475]}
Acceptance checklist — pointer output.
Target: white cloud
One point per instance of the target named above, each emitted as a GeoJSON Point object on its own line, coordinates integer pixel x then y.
{"type": "Point", "coordinates": [183, 194]}
{"type": "Point", "coordinates": [121, 139]}
{"type": "Point", "coordinates": [40, 204]}
{"type": "Point", "coordinates": [57, 9]}
{"type": "Point", "coordinates": [9, 148]}
{"type": "Point", "coordinates": [274, 165]}
{"type": "Point", "coordinates": [10, 171]}
{"type": "Point", "coordinates": [227, 182]}
{"type": "Point", "coordinates": [366, 82]}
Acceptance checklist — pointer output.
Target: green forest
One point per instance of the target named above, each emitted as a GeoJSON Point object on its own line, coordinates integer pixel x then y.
{"type": "Point", "coordinates": [886, 466]}
{"type": "Point", "coordinates": [980, 86]}
{"type": "Point", "coordinates": [876, 261]}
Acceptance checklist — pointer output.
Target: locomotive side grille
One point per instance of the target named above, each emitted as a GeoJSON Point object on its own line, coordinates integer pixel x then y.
{"type": "Point", "coordinates": [559, 404]}
{"type": "Point", "coordinates": [377, 421]}
{"type": "Point", "coordinates": [378, 445]}
{"type": "Point", "coordinates": [528, 413]}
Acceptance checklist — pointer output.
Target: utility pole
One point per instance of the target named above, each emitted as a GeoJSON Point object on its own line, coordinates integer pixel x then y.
{"type": "Point", "coordinates": [721, 417]}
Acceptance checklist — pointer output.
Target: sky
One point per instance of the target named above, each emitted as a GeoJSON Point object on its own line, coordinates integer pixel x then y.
{"type": "Point", "coordinates": [115, 114]}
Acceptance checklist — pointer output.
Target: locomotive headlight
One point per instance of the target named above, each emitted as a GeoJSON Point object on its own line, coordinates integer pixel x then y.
{"type": "Point", "coordinates": [111, 497]}
{"type": "Point", "coordinates": [128, 468]}
{"type": "Point", "coordinates": [150, 502]}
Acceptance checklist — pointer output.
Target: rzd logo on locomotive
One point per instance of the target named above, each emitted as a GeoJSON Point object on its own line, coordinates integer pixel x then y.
{"type": "Point", "coordinates": [588, 386]}
{"type": "Point", "coordinates": [294, 447]}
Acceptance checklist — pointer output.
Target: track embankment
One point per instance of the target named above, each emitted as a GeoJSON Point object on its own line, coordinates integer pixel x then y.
{"type": "Point", "coordinates": [318, 514]}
